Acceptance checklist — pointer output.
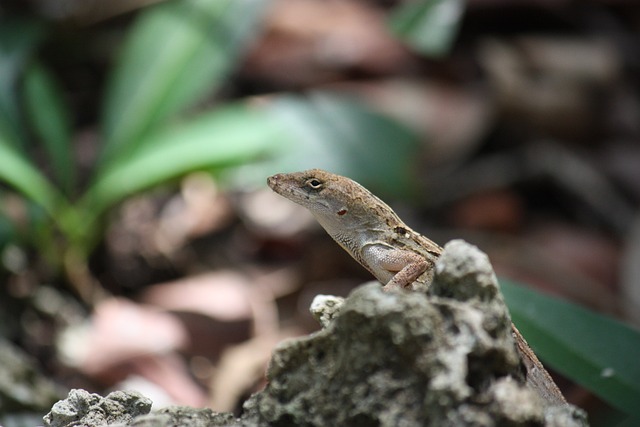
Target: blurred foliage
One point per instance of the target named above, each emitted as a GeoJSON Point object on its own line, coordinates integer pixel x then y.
{"type": "Point", "coordinates": [50, 121]}
{"type": "Point", "coordinates": [333, 132]}
{"type": "Point", "coordinates": [597, 352]}
{"type": "Point", "coordinates": [176, 56]}
{"type": "Point", "coordinates": [429, 26]}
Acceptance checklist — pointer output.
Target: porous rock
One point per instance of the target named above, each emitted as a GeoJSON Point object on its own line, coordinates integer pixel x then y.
{"type": "Point", "coordinates": [325, 308]}
{"type": "Point", "coordinates": [129, 409]}
{"type": "Point", "coordinates": [82, 408]}
{"type": "Point", "coordinates": [446, 358]}
{"type": "Point", "coordinates": [185, 416]}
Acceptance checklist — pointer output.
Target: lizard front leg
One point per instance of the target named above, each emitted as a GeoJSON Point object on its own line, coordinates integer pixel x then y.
{"type": "Point", "coordinates": [396, 268]}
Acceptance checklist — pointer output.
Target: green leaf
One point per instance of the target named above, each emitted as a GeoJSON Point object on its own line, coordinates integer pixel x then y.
{"type": "Point", "coordinates": [344, 136]}
{"type": "Point", "coordinates": [629, 422]}
{"type": "Point", "coordinates": [177, 53]}
{"type": "Point", "coordinates": [595, 351]}
{"type": "Point", "coordinates": [23, 176]}
{"type": "Point", "coordinates": [230, 135]}
{"type": "Point", "coordinates": [429, 26]}
{"type": "Point", "coordinates": [46, 110]}
{"type": "Point", "coordinates": [18, 38]}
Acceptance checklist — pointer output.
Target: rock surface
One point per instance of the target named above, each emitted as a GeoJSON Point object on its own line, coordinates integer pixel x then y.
{"type": "Point", "coordinates": [82, 408]}
{"type": "Point", "coordinates": [185, 416]}
{"type": "Point", "coordinates": [408, 359]}
{"type": "Point", "coordinates": [446, 358]}
{"type": "Point", "coordinates": [325, 308]}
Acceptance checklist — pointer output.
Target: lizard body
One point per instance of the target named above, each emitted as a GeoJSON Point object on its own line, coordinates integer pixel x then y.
{"type": "Point", "coordinates": [366, 227]}
{"type": "Point", "coordinates": [371, 232]}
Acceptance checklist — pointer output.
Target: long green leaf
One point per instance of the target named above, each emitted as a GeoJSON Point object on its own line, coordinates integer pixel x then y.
{"type": "Point", "coordinates": [23, 176]}
{"type": "Point", "coordinates": [177, 53]}
{"type": "Point", "coordinates": [595, 351]}
{"type": "Point", "coordinates": [230, 135]}
{"type": "Point", "coordinates": [18, 38]}
{"type": "Point", "coordinates": [629, 422]}
{"type": "Point", "coordinates": [344, 136]}
{"type": "Point", "coordinates": [47, 112]}
{"type": "Point", "coordinates": [429, 26]}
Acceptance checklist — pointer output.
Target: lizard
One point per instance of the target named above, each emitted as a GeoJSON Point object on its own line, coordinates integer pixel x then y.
{"type": "Point", "coordinates": [373, 234]}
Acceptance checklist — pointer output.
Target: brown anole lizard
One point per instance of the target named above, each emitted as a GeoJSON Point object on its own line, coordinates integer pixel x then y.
{"type": "Point", "coordinates": [371, 232]}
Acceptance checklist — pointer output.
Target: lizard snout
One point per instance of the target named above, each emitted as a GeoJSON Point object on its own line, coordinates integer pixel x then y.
{"type": "Point", "coordinates": [272, 181]}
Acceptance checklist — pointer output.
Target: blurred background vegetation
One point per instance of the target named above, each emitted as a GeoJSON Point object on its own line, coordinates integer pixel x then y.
{"type": "Point", "coordinates": [139, 246]}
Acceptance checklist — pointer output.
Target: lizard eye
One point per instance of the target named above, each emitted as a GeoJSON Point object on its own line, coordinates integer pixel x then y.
{"type": "Point", "coordinates": [314, 184]}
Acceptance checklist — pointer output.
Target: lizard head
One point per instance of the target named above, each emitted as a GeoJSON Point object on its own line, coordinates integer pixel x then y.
{"type": "Point", "coordinates": [333, 199]}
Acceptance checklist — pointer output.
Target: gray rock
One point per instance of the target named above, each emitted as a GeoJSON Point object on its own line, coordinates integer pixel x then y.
{"type": "Point", "coordinates": [129, 409]}
{"type": "Point", "coordinates": [82, 408]}
{"type": "Point", "coordinates": [325, 308]}
{"type": "Point", "coordinates": [185, 416]}
{"type": "Point", "coordinates": [409, 359]}
{"type": "Point", "coordinates": [464, 273]}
